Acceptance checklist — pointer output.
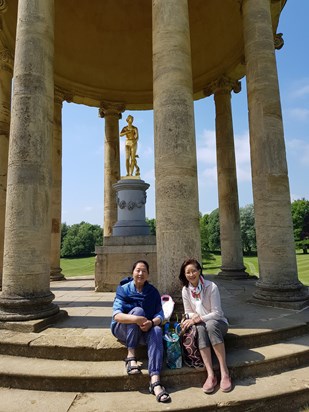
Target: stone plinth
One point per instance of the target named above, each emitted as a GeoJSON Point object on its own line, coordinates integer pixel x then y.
{"type": "Point", "coordinates": [115, 259]}
{"type": "Point", "coordinates": [131, 200]}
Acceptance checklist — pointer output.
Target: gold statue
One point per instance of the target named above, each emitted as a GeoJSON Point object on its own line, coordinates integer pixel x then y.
{"type": "Point", "coordinates": [131, 133]}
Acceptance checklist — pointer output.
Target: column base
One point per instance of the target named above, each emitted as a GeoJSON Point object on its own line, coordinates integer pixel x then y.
{"type": "Point", "coordinates": [16, 308]}
{"type": "Point", "coordinates": [293, 296]}
{"type": "Point", "coordinates": [55, 274]}
{"type": "Point", "coordinates": [233, 273]}
{"type": "Point", "coordinates": [34, 326]}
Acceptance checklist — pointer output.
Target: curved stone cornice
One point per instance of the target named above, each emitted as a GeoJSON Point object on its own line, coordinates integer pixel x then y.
{"type": "Point", "coordinates": [61, 95]}
{"type": "Point", "coordinates": [6, 60]}
{"type": "Point", "coordinates": [3, 6]}
{"type": "Point", "coordinates": [222, 85]}
{"type": "Point", "coordinates": [111, 109]}
{"type": "Point", "coordinates": [278, 41]}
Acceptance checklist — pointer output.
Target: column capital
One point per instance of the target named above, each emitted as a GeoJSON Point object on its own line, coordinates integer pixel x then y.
{"type": "Point", "coordinates": [6, 60]}
{"type": "Point", "coordinates": [61, 95]}
{"type": "Point", "coordinates": [111, 109]}
{"type": "Point", "coordinates": [223, 85]}
{"type": "Point", "coordinates": [278, 41]}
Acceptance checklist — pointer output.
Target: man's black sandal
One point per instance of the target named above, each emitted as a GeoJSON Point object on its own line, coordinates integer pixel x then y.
{"type": "Point", "coordinates": [131, 368]}
{"type": "Point", "coordinates": [160, 394]}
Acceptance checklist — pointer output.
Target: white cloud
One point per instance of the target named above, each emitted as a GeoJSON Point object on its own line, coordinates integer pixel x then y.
{"type": "Point", "coordinates": [206, 155]}
{"type": "Point", "coordinates": [300, 149]}
{"type": "Point", "coordinates": [301, 89]}
{"type": "Point", "coordinates": [299, 113]}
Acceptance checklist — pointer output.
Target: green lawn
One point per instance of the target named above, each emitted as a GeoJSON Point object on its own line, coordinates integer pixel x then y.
{"type": "Point", "coordinates": [85, 266]}
{"type": "Point", "coordinates": [212, 266]}
{"type": "Point", "coordinates": [77, 266]}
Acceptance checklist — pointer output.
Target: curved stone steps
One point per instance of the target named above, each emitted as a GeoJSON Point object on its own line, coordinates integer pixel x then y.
{"type": "Point", "coordinates": [87, 348]}
{"type": "Point", "coordinates": [92, 376]}
{"type": "Point", "coordinates": [286, 392]}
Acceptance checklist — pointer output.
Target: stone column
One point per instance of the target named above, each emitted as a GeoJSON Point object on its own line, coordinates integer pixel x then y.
{"type": "Point", "coordinates": [230, 234]}
{"type": "Point", "coordinates": [6, 72]}
{"type": "Point", "coordinates": [56, 194]}
{"type": "Point", "coordinates": [177, 207]}
{"type": "Point", "coordinates": [25, 289]}
{"type": "Point", "coordinates": [112, 113]}
{"type": "Point", "coordinates": [278, 283]}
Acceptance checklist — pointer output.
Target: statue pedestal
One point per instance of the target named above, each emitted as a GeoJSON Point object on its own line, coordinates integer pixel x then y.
{"type": "Point", "coordinates": [130, 240]}
{"type": "Point", "coordinates": [131, 200]}
{"type": "Point", "coordinates": [114, 260]}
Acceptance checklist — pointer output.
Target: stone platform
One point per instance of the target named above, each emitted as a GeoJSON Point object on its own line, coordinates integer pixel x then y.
{"type": "Point", "coordinates": [77, 365]}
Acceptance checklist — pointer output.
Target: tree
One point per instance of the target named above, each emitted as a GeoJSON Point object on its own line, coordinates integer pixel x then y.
{"type": "Point", "coordinates": [204, 235]}
{"type": "Point", "coordinates": [214, 230]}
{"type": "Point", "coordinates": [152, 225]}
{"type": "Point", "coordinates": [80, 240]}
{"type": "Point", "coordinates": [300, 216]}
{"type": "Point", "coordinates": [247, 228]}
{"type": "Point", "coordinates": [64, 231]}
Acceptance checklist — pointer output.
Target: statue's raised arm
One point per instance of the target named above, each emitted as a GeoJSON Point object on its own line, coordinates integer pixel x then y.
{"type": "Point", "coordinates": [131, 133]}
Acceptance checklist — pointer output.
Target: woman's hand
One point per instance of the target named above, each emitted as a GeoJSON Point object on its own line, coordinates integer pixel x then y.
{"type": "Point", "coordinates": [146, 326]}
{"type": "Point", "coordinates": [141, 320]}
{"type": "Point", "coordinates": [186, 324]}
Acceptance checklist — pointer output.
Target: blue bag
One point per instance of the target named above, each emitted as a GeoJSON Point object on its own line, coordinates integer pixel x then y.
{"type": "Point", "coordinates": [172, 348]}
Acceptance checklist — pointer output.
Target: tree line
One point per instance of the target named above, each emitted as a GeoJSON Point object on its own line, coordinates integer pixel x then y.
{"type": "Point", "coordinates": [79, 240]}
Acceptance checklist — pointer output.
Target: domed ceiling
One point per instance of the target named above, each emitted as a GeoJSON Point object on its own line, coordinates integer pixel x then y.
{"type": "Point", "coordinates": [103, 49]}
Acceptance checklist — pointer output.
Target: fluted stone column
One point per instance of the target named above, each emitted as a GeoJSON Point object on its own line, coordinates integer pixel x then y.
{"type": "Point", "coordinates": [230, 233]}
{"type": "Point", "coordinates": [112, 113]}
{"type": "Point", "coordinates": [56, 194]}
{"type": "Point", "coordinates": [177, 210]}
{"type": "Point", "coordinates": [6, 72]}
{"type": "Point", "coordinates": [278, 283]}
{"type": "Point", "coordinates": [26, 265]}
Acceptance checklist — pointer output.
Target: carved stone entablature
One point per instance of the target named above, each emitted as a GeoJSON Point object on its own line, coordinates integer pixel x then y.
{"type": "Point", "coordinates": [130, 205]}
{"type": "Point", "coordinates": [222, 85]}
{"type": "Point", "coordinates": [111, 109]}
{"type": "Point", "coordinates": [6, 60]}
{"type": "Point", "coordinates": [61, 95]}
{"type": "Point", "coordinates": [278, 41]}
{"type": "Point", "coordinates": [3, 6]}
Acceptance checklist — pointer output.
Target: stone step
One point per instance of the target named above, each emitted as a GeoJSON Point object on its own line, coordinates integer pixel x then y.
{"type": "Point", "coordinates": [285, 392]}
{"type": "Point", "coordinates": [85, 347]}
{"type": "Point", "coordinates": [92, 376]}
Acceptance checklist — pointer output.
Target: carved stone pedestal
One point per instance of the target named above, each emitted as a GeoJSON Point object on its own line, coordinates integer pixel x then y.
{"type": "Point", "coordinates": [131, 200]}
{"type": "Point", "coordinates": [115, 259]}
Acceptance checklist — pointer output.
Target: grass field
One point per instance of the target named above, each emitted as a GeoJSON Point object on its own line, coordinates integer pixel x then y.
{"type": "Point", "coordinates": [212, 266]}
{"type": "Point", "coordinates": [85, 266]}
{"type": "Point", "coordinates": [78, 266]}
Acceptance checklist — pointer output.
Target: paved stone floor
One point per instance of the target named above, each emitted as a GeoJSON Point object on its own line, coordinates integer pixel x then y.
{"type": "Point", "coordinates": [89, 320]}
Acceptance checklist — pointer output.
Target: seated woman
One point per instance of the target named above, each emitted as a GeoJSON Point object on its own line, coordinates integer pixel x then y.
{"type": "Point", "coordinates": [202, 306]}
{"type": "Point", "coordinates": [137, 316]}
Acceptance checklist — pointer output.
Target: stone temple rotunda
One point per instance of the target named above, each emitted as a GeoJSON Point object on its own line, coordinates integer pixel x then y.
{"type": "Point", "coordinates": [138, 55]}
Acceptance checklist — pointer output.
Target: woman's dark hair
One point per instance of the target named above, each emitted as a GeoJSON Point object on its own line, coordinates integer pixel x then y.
{"type": "Point", "coordinates": [182, 276]}
{"type": "Point", "coordinates": [140, 261]}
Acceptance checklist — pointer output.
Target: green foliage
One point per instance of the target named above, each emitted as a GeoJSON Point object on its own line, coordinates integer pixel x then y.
{"type": "Point", "coordinates": [204, 235]}
{"type": "Point", "coordinates": [300, 216]}
{"type": "Point", "coordinates": [80, 239]}
{"type": "Point", "coordinates": [247, 228]}
{"type": "Point", "coordinates": [214, 230]}
{"type": "Point", "coordinates": [152, 225]}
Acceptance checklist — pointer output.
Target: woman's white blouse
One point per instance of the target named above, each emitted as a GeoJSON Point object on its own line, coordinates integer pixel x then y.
{"type": "Point", "coordinates": [208, 307]}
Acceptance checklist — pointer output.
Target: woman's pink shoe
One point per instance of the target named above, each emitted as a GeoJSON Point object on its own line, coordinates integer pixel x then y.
{"type": "Point", "coordinates": [226, 384]}
{"type": "Point", "coordinates": [210, 384]}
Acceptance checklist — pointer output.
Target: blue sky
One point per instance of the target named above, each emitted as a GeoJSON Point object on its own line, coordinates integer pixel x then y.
{"type": "Point", "coordinates": [83, 136]}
